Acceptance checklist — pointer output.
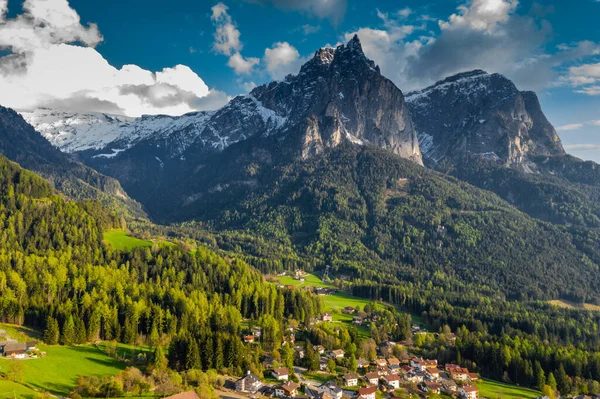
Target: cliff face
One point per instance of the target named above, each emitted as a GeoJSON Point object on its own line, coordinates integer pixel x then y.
{"type": "Point", "coordinates": [481, 114]}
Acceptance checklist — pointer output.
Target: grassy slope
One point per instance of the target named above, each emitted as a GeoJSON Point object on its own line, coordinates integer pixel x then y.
{"type": "Point", "coordinates": [120, 240]}
{"type": "Point", "coordinates": [496, 390]}
{"type": "Point", "coordinates": [9, 390]}
{"type": "Point", "coordinates": [59, 369]}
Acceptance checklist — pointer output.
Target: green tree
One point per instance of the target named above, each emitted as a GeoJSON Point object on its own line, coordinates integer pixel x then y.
{"type": "Point", "coordinates": [68, 331]}
{"type": "Point", "coordinates": [51, 332]}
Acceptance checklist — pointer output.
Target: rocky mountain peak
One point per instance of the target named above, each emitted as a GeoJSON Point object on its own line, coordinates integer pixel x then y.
{"type": "Point", "coordinates": [481, 114]}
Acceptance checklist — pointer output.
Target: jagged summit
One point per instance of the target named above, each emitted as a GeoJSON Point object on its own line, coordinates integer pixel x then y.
{"type": "Point", "coordinates": [484, 114]}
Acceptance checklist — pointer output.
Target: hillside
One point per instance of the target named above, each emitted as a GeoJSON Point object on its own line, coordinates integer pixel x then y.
{"type": "Point", "coordinates": [20, 143]}
{"type": "Point", "coordinates": [375, 214]}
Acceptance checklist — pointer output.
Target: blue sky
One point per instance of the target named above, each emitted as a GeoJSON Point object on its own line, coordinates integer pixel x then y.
{"type": "Point", "coordinates": [552, 47]}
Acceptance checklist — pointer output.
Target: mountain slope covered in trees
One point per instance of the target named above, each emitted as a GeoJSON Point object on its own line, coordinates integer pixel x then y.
{"type": "Point", "coordinates": [20, 143]}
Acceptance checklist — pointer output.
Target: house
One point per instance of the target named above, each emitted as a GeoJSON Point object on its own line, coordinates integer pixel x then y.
{"type": "Point", "coordinates": [248, 383]}
{"type": "Point", "coordinates": [248, 338]}
{"type": "Point", "coordinates": [430, 364]}
{"type": "Point", "coordinates": [449, 387]}
{"type": "Point", "coordinates": [380, 362]}
{"type": "Point", "coordinates": [415, 376]}
{"type": "Point", "coordinates": [459, 374]}
{"type": "Point", "coordinates": [31, 345]}
{"type": "Point", "coordinates": [287, 390]}
{"type": "Point", "coordinates": [417, 363]}
{"type": "Point", "coordinates": [15, 349]}
{"type": "Point", "coordinates": [337, 354]}
{"type": "Point", "coordinates": [393, 363]}
{"type": "Point", "coordinates": [468, 392]}
{"type": "Point", "coordinates": [430, 386]}
{"type": "Point", "coordinates": [384, 370]}
{"type": "Point", "coordinates": [362, 363]}
{"type": "Point", "coordinates": [300, 352]}
{"type": "Point", "coordinates": [348, 310]}
{"type": "Point", "coordinates": [406, 369]}
{"type": "Point", "coordinates": [257, 332]}
{"type": "Point", "coordinates": [372, 378]}
{"type": "Point", "coordinates": [392, 380]}
{"type": "Point", "coordinates": [281, 374]}
{"type": "Point", "coordinates": [433, 373]}
{"type": "Point", "coordinates": [326, 317]}
{"type": "Point", "coordinates": [323, 395]}
{"type": "Point", "coordinates": [320, 349]}
{"type": "Point", "coordinates": [323, 364]}
{"type": "Point", "coordinates": [367, 393]}
{"type": "Point", "coordinates": [351, 379]}
{"type": "Point", "coordinates": [185, 395]}
{"type": "Point", "coordinates": [473, 376]}
{"type": "Point", "coordinates": [331, 388]}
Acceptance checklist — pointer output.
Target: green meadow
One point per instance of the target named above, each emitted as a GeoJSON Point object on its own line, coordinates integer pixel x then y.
{"type": "Point", "coordinates": [118, 239]}
{"type": "Point", "coordinates": [498, 390]}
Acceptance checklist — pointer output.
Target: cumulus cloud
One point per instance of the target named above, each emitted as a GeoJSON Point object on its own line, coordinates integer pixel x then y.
{"type": "Point", "coordinates": [52, 62]}
{"type": "Point", "coordinates": [241, 65]}
{"type": "Point", "coordinates": [585, 78]}
{"type": "Point", "coordinates": [333, 10]}
{"type": "Point", "coordinates": [227, 41]}
{"type": "Point", "coordinates": [481, 34]}
{"type": "Point", "coordinates": [282, 59]}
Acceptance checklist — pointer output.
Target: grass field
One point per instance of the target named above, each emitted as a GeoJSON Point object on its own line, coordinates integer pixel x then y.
{"type": "Point", "coordinates": [9, 390]}
{"type": "Point", "coordinates": [572, 305]}
{"type": "Point", "coordinates": [496, 390]}
{"type": "Point", "coordinates": [118, 239]}
{"type": "Point", "coordinates": [58, 370]}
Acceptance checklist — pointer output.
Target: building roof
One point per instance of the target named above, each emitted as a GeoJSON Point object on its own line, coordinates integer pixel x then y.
{"type": "Point", "coordinates": [393, 361]}
{"type": "Point", "coordinates": [367, 390]}
{"type": "Point", "coordinates": [332, 386]}
{"type": "Point", "coordinates": [281, 371]}
{"type": "Point", "coordinates": [250, 378]}
{"type": "Point", "coordinates": [392, 377]}
{"type": "Point", "coordinates": [185, 395]}
{"type": "Point", "coordinates": [372, 376]}
{"type": "Point", "coordinates": [469, 388]}
{"type": "Point", "coordinates": [324, 395]}
{"type": "Point", "coordinates": [290, 386]}
{"type": "Point", "coordinates": [15, 346]}
{"type": "Point", "coordinates": [351, 376]}
{"type": "Point", "coordinates": [338, 352]}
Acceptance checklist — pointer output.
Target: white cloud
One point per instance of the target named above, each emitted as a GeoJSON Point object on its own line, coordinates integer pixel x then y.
{"type": "Point", "coordinates": [227, 36]}
{"type": "Point", "coordinates": [585, 77]}
{"type": "Point", "coordinates": [248, 86]}
{"type": "Point", "coordinates": [52, 62]}
{"type": "Point", "coordinates": [3, 9]}
{"type": "Point", "coordinates": [572, 126]}
{"type": "Point", "coordinates": [282, 59]}
{"type": "Point", "coordinates": [481, 15]}
{"type": "Point", "coordinates": [241, 65]}
{"type": "Point", "coordinates": [481, 34]}
{"type": "Point", "coordinates": [405, 12]}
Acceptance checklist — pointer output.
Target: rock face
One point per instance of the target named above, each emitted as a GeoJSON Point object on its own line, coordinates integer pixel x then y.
{"type": "Point", "coordinates": [339, 95]}
{"type": "Point", "coordinates": [481, 114]}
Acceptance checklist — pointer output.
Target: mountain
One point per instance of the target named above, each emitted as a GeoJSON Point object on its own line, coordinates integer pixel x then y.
{"type": "Point", "coordinates": [21, 143]}
{"type": "Point", "coordinates": [338, 96]}
{"type": "Point", "coordinates": [481, 129]}
{"type": "Point", "coordinates": [481, 114]}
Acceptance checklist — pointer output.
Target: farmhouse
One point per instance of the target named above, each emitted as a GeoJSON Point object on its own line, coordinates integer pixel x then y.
{"type": "Point", "coordinates": [337, 354]}
{"type": "Point", "coordinates": [468, 392]}
{"type": "Point", "coordinates": [351, 379]}
{"type": "Point", "coordinates": [367, 393]}
{"type": "Point", "coordinates": [248, 383]}
{"type": "Point", "coordinates": [331, 388]}
{"type": "Point", "coordinates": [15, 349]}
{"type": "Point", "coordinates": [392, 380]}
{"type": "Point", "coordinates": [326, 317]}
{"type": "Point", "coordinates": [281, 374]}
{"type": "Point", "coordinates": [287, 390]}
{"type": "Point", "coordinates": [372, 378]}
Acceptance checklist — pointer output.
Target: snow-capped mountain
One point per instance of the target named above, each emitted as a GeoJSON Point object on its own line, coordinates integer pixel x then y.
{"type": "Point", "coordinates": [339, 95]}
{"type": "Point", "coordinates": [483, 114]}
{"type": "Point", "coordinates": [72, 132]}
